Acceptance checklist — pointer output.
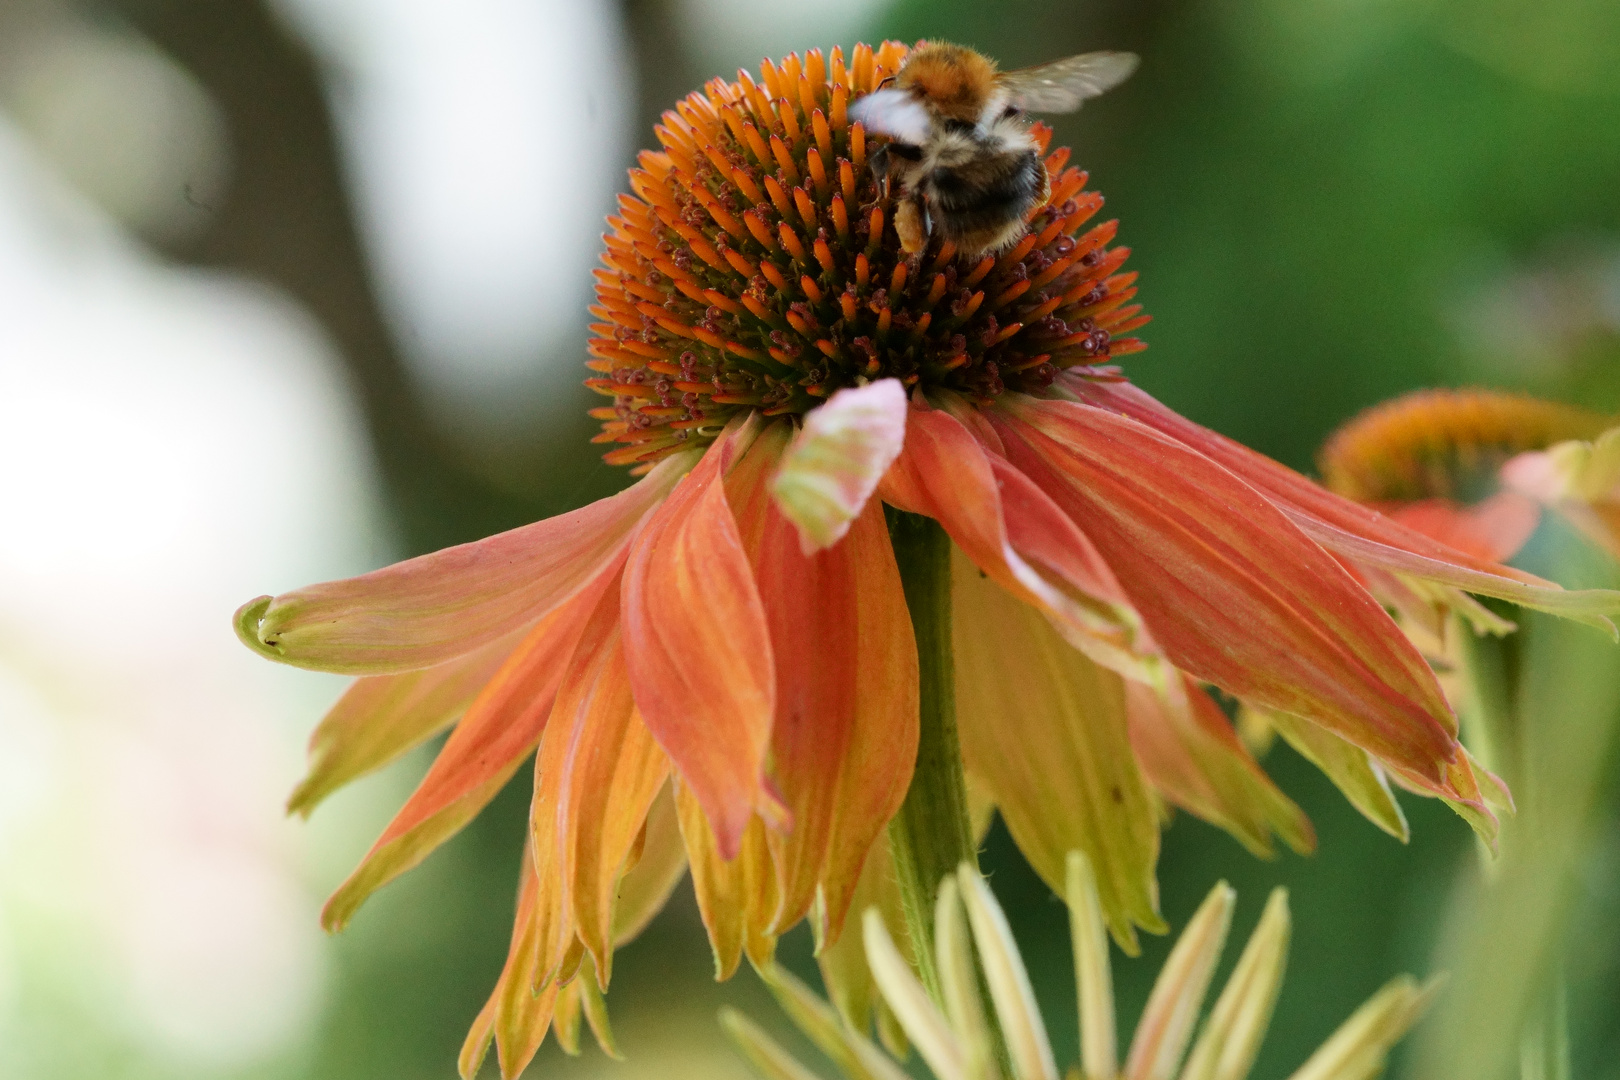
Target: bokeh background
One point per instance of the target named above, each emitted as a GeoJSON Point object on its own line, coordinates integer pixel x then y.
{"type": "Point", "coordinates": [291, 288]}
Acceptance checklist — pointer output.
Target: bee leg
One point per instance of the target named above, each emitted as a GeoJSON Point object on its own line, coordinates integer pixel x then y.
{"type": "Point", "coordinates": [911, 226]}
{"type": "Point", "coordinates": [878, 162]}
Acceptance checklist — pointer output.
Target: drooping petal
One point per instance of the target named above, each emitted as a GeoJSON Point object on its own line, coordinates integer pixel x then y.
{"type": "Point", "coordinates": [1234, 593]}
{"type": "Point", "coordinates": [1352, 770]}
{"type": "Point", "coordinates": [436, 607]}
{"type": "Point", "coordinates": [698, 651]}
{"type": "Point", "coordinates": [601, 769]}
{"type": "Point", "coordinates": [844, 737]}
{"type": "Point", "coordinates": [737, 897]}
{"type": "Point", "coordinates": [829, 473]}
{"type": "Point", "coordinates": [515, 1017]}
{"type": "Point", "coordinates": [1013, 532]}
{"type": "Point", "coordinates": [499, 730]}
{"type": "Point", "coordinates": [1191, 754]}
{"type": "Point", "coordinates": [381, 717]}
{"type": "Point", "coordinates": [659, 866]}
{"type": "Point", "coordinates": [1347, 528]}
{"type": "Point", "coordinates": [1045, 729]}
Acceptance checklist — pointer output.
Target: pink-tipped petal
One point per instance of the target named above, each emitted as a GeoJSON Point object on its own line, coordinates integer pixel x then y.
{"type": "Point", "coordinates": [844, 738]}
{"type": "Point", "coordinates": [436, 607]}
{"type": "Point", "coordinates": [698, 651]}
{"type": "Point", "coordinates": [1230, 588]}
{"type": "Point", "coordinates": [1013, 532]}
{"type": "Point", "coordinates": [1349, 529]}
{"type": "Point", "coordinates": [1493, 529]}
{"type": "Point", "coordinates": [498, 731]}
{"type": "Point", "coordinates": [830, 471]}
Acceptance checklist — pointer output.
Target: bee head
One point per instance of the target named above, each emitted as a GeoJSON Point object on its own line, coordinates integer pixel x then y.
{"type": "Point", "coordinates": [953, 81]}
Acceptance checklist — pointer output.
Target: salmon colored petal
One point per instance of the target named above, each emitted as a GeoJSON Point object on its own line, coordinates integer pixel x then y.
{"type": "Point", "coordinates": [1493, 529]}
{"type": "Point", "coordinates": [381, 717]}
{"type": "Point", "coordinates": [1347, 528]}
{"type": "Point", "coordinates": [610, 771]}
{"type": "Point", "coordinates": [1191, 754]}
{"type": "Point", "coordinates": [659, 865]}
{"type": "Point", "coordinates": [1231, 590]}
{"type": "Point", "coordinates": [515, 1017]}
{"type": "Point", "coordinates": [498, 731]}
{"type": "Point", "coordinates": [698, 650]}
{"type": "Point", "coordinates": [1045, 729]}
{"type": "Point", "coordinates": [1014, 533]}
{"type": "Point", "coordinates": [436, 607]}
{"type": "Point", "coordinates": [737, 897]}
{"type": "Point", "coordinates": [844, 737]}
{"type": "Point", "coordinates": [844, 448]}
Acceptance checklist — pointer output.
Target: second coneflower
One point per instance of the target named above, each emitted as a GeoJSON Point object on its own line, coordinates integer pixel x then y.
{"type": "Point", "coordinates": [748, 661]}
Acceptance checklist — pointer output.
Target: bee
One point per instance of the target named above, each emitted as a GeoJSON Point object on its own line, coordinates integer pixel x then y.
{"type": "Point", "coordinates": [960, 158]}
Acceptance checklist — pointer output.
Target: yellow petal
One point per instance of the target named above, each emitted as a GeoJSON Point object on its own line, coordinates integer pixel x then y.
{"type": "Point", "coordinates": [762, 1051]}
{"type": "Point", "coordinates": [928, 1030]}
{"type": "Point", "coordinates": [737, 898]}
{"type": "Point", "coordinates": [1178, 994]}
{"type": "Point", "coordinates": [1351, 769]}
{"type": "Point", "coordinates": [1014, 998]}
{"type": "Point", "coordinates": [1045, 729]}
{"type": "Point", "coordinates": [852, 1052]}
{"type": "Point", "coordinates": [1099, 1054]}
{"type": "Point", "coordinates": [959, 981]}
{"type": "Point", "coordinates": [1358, 1049]}
{"type": "Point", "coordinates": [1231, 1038]}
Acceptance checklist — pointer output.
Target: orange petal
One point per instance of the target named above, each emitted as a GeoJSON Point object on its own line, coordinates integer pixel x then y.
{"type": "Point", "coordinates": [606, 769]}
{"type": "Point", "coordinates": [380, 717]}
{"type": "Point", "coordinates": [1231, 590]}
{"type": "Point", "coordinates": [1013, 532]}
{"type": "Point", "coordinates": [515, 1017]}
{"type": "Point", "coordinates": [436, 607]}
{"type": "Point", "coordinates": [1045, 730]}
{"type": "Point", "coordinates": [737, 896]}
{"type": "Point", "coordinates": [498, 731]}
{"type": "Point", "coordinates": [1349, 529]}
{"type": "Point", "coordinates": [659, 867]}
{"type": "Point", "coordinates": [1191, 754]}
{"type": "Point", "coordinates": [844, 737]}
{"type": "Point", "coordinates": [698, 652]}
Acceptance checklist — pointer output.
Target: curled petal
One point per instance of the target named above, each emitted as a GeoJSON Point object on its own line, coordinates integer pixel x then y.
{"type": "Point", "coordinates": [1015, 534]}
{"type": "Point", "coordinates": [835, 463]}
{"type": "Point", "coordinates": [844, 737]}
{"type": "Point", "coordinates": [1191, 754]}
{"type": "Point", "coordinates": [499, 730]}
{"type": "Point", "coordinates": [436, 607]}
{"type": "Point", "coordinates": [1349, 529]}
{"type": "Point", "coordinates": [698, 650]}
{"type": "Point", "coordinates": [381, 717]}
{"type": "Point", "coordinates": [1045, 730]}
{"type": "Point", "coordinates": [1232, 590]}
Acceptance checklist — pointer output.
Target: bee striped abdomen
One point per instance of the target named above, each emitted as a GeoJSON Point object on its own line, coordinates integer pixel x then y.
{"type": "Point", "coordinates": [982, 204]}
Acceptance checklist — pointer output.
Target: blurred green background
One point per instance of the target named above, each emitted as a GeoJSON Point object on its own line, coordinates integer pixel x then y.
{"type": "Point", "coordinates": [1329, 204]}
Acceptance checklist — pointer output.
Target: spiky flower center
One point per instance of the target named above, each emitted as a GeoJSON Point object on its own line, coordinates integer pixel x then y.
{"type": "Point", "coordinates": [756, 267]}
{"type": "Point", "coordinates": [1444, 443]}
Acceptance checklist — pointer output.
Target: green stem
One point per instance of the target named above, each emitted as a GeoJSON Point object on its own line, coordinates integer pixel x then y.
{"type": "Point", "coordinates": [931, 835]}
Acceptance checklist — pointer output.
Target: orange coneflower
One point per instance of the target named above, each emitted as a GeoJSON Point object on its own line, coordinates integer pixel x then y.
{"type": "Point", "coordinates": [727, 652]}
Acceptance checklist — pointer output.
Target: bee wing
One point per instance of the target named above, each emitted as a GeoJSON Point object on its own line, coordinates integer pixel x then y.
{"type": "Point", "coordinates": [1062, 85]}
{"type": "Point", "coordinates": [894, 113]}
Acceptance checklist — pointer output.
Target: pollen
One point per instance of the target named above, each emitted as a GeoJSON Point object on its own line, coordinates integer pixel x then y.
{"type": "Point", "coordinates": [755, 266]}
{"type": "Point", "coordinates": [1443, 443]}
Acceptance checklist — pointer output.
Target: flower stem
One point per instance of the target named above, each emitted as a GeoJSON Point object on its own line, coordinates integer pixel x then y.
{"type": "Point", "coordinates": [931, 835]}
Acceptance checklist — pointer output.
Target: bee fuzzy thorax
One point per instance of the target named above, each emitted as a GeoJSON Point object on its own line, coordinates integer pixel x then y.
{"type": "Point", "coordinates": [953, 81]}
